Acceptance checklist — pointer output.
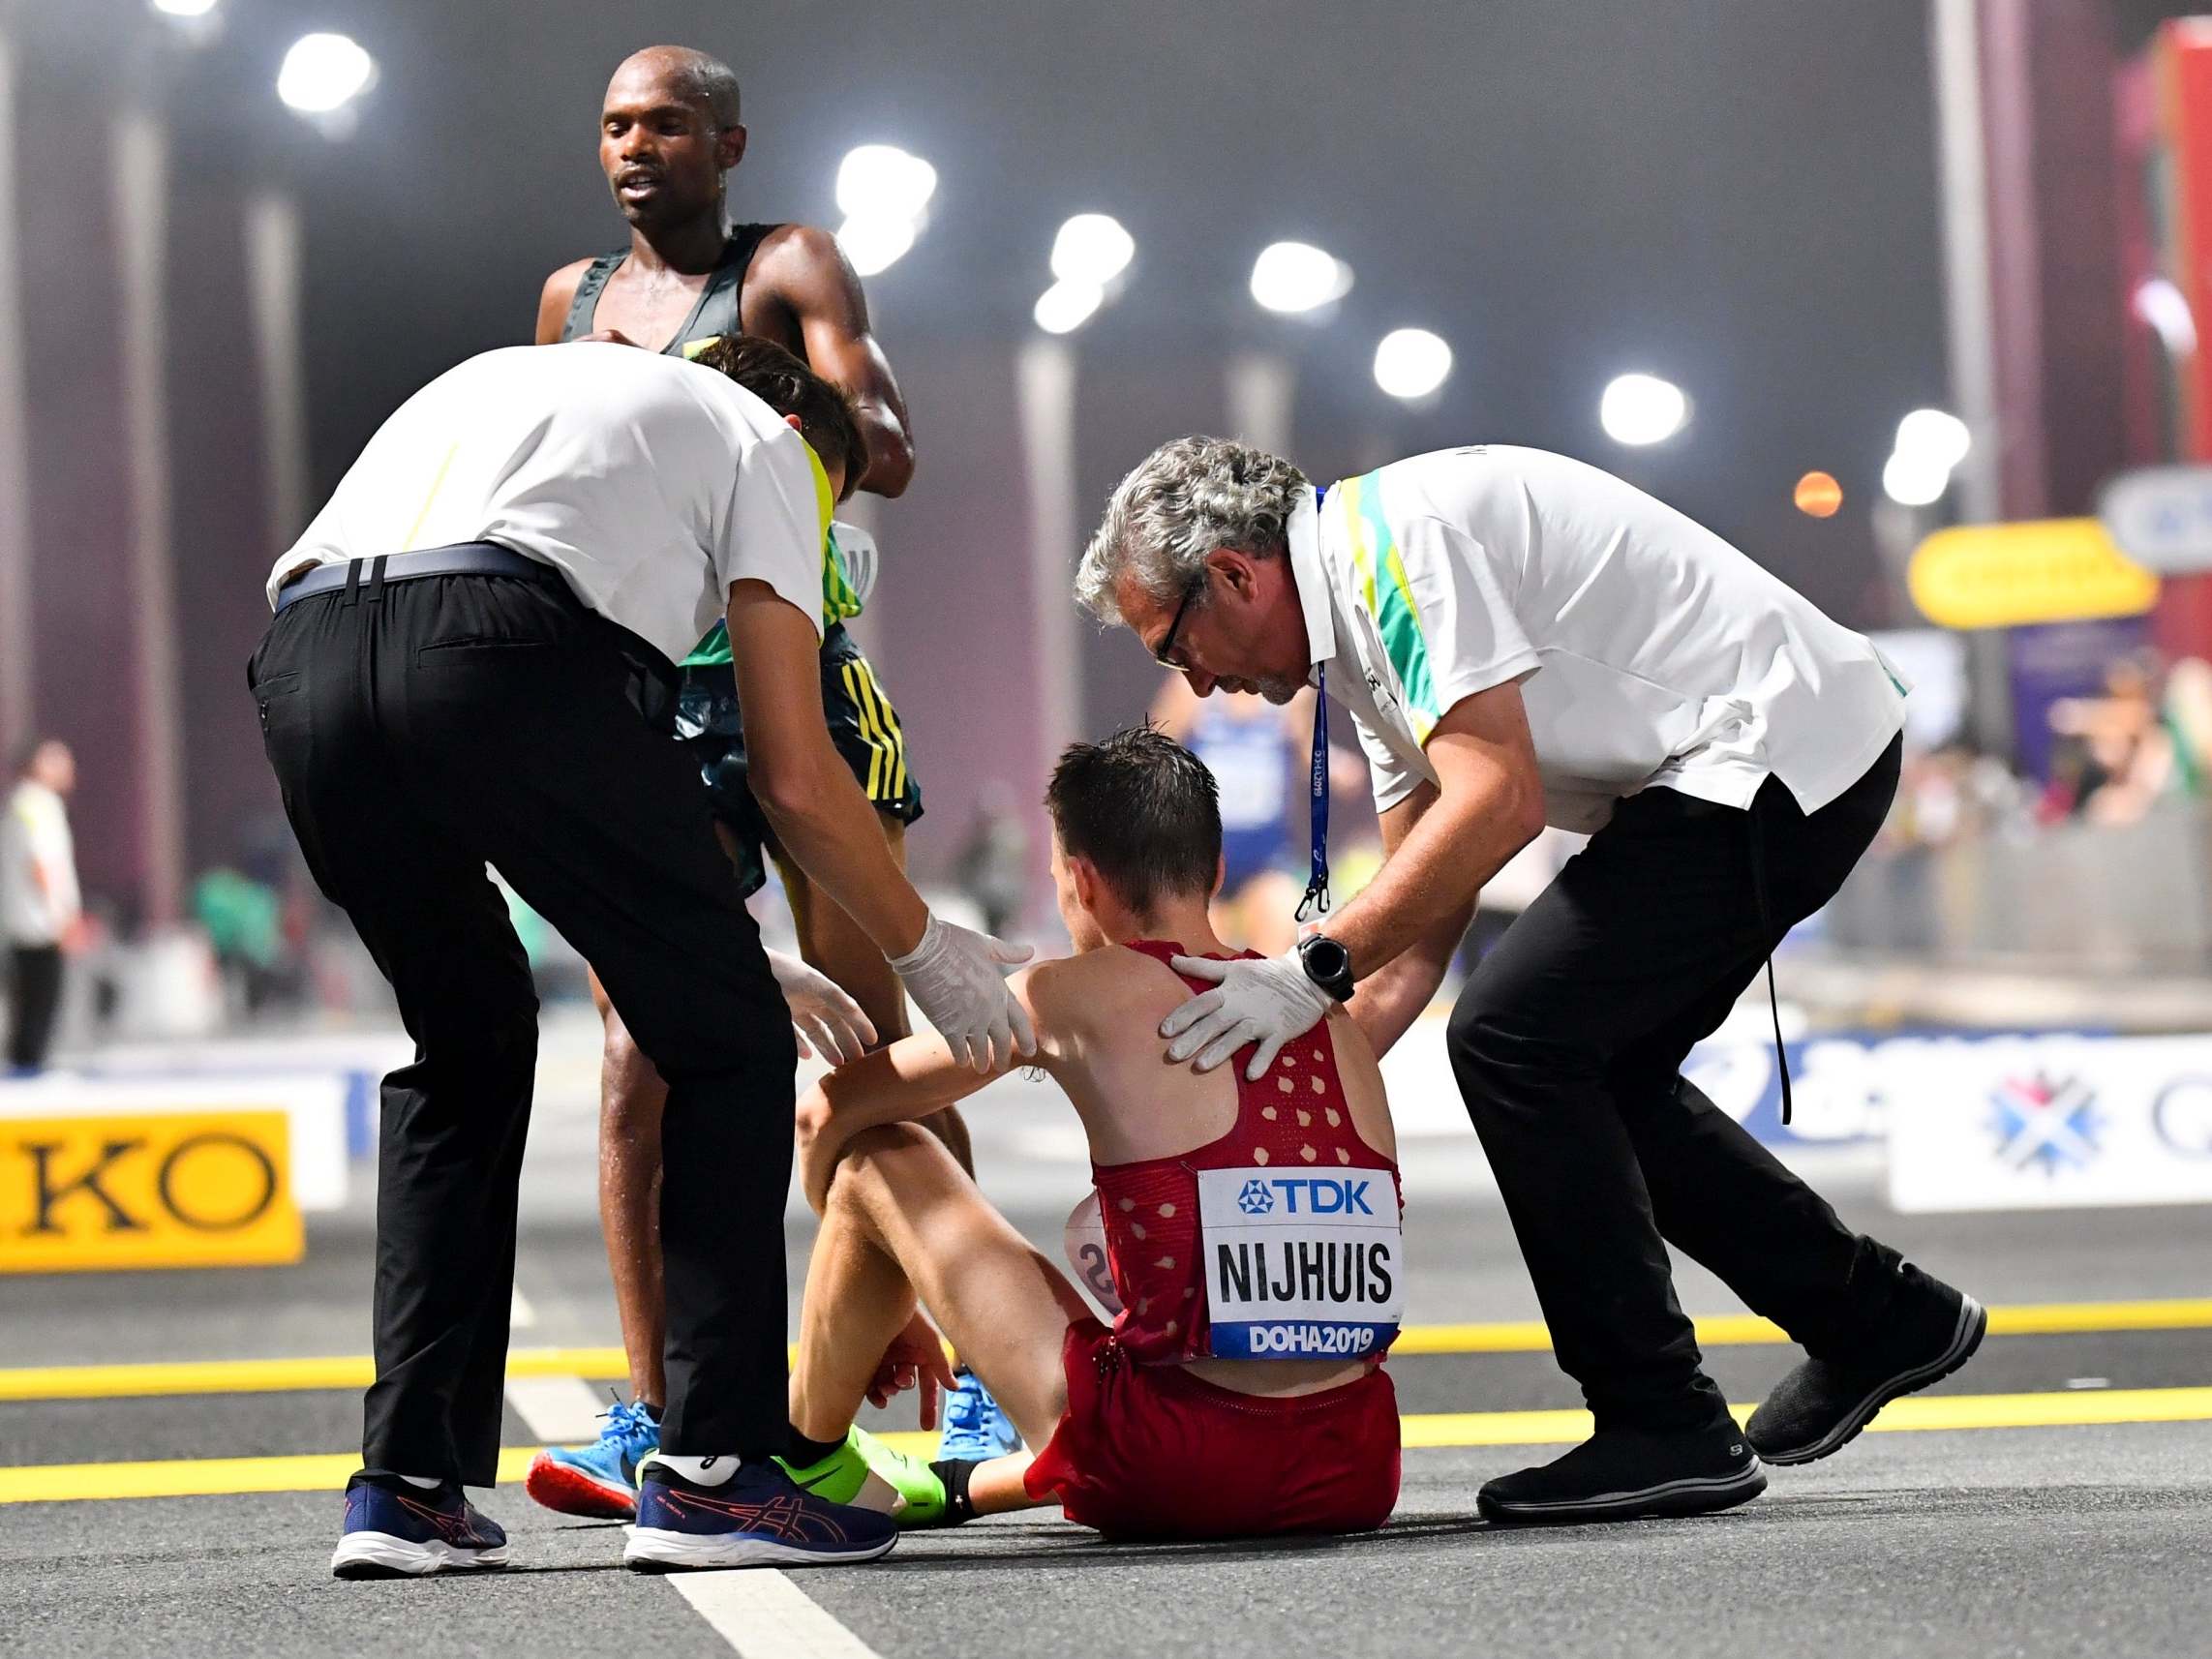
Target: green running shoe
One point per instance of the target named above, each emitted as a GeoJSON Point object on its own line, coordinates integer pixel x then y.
{"type": "Point", "coordinates": [868, 1473]}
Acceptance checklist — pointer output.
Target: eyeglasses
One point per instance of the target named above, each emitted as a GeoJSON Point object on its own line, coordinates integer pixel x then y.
{"type": "Point", "coordinates": [1165, 652]}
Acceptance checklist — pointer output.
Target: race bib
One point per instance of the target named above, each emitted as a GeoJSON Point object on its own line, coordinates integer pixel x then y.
{"type": "Point", "coordinates": [1301, 1266]}
{"type": "Point", "coordinates": [1085, 1242]}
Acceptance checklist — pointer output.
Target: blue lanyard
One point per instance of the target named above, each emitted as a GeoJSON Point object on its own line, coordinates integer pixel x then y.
{"type": "Point", "coordinates": [1317, 899]}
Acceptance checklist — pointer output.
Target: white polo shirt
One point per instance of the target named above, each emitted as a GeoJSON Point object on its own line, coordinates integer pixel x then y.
{"type": "Point", "coordinates": [650, 483]}
{"type": "Point", "coordinates": [1650, 653]}
{"type": "Point", "coordinates": [38, 900]}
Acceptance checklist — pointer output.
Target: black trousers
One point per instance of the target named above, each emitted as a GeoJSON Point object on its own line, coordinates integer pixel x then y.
{"type": "Point", "coordinates": [420, 731]}
{"type": "Point", "coordinates": [1567, 1044]}
{"type": "Point", "coordinates": [34, 998]}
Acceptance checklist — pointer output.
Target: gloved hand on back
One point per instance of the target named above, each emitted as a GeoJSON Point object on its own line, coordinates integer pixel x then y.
{"type": "Point", "coordinates": [1269, 1002]}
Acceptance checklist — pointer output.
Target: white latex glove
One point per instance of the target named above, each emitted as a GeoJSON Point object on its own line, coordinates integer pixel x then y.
{"type": "Point", "coordinates": [956, 976]}
{"type": "Point", "coordinates": [821, 1012]}
{"type": "Point", "coordinates": [1268, 1002]}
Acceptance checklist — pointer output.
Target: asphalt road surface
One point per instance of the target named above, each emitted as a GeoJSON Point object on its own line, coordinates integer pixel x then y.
{"type": "Point", "coordinates": [2053, 1497]}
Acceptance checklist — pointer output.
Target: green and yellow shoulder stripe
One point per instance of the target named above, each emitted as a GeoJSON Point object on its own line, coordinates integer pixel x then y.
{"type": "Point", "coordinates": [1387, 593]}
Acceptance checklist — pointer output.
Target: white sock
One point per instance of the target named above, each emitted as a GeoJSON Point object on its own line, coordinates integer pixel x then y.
{"type": "Point", "coordinates": [700, 1471]}
{"type": "Point", "coordinates": [426, 1482]}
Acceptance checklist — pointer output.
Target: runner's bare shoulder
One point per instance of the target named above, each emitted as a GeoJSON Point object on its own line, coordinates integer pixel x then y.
{"type": "Point", "coordinates": [554, 299]}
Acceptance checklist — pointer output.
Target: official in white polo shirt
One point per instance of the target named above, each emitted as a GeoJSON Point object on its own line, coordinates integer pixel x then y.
{"type": "Point", "coordinates": [1521, 639]}
{"type": "Point", "coordinates": [584, 513]}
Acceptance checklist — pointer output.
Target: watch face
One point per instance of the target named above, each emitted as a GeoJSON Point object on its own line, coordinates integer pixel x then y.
{"type": "Point", "coordinates": [1326, 957]}
{"type": "Point", "coordinates": [1329, 964]}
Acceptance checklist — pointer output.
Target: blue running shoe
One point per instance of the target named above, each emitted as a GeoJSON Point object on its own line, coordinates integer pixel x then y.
{"type": "Point", "coordinates": [975, 1429]}
{"type": "Point", "coordinates": [404, 1533]}
{"type": "Point", "coordinates": [598, 1480]}
{"type": "Point", "coordinates": [758, 1518]}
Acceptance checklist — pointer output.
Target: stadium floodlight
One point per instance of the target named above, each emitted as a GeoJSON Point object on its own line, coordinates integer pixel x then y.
{"type": "Point", "coordinates": [884, 193]}
{"type": "Point", "coordinates": [1934, 435]}
{"type": "Point", "coordinates": [1291, 277]}
{"type": "Point", "coordinates": [1068, 304]}
{"type": "Point", "coordinates": [1642, 408]}
{"type": "Point", "coordinates": [1410, 363]}
{"type": "Point", "coordinates": [2166, 308]}
{"type": "Point", "coordinates": [322, 73]}
{"type": "Point", "coordinates": [884, 181]}
{"type": "Point", "coordinates": [182, 7]}
{"type": "Point", "coordinates": [1915, 480]}
{"type": "Point", "coordinates": [875, 244]}
{"type": "Point", "coordinates": [1091, 248]}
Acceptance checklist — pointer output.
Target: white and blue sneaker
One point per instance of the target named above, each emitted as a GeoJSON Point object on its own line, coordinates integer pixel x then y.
{"type": "Point", "coordinates": [975, 1429]}
{"type": "Point", "coordinates": [397, 1531]}
{"type": "Point", "coordinates": [598, 1480]}
{"type": "Point", "coordinates": [757, 1518]}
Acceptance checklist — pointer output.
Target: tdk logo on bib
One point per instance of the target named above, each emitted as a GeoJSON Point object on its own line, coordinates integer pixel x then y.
{"type": "Point", "coordinates": [1301, 1266]}
{"type": "Point", "coordinates": [1311, 1195]}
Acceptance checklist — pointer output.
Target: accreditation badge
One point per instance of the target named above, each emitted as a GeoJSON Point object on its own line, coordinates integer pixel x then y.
{"type": "Point", "coordinates": [1301, 1266]}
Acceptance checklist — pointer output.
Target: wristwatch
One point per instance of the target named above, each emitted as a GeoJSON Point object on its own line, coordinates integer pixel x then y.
{"type": "Point", "coordinates": [1328, 965]}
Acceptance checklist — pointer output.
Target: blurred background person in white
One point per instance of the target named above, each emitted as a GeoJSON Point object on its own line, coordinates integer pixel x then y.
{"type": "Point", "coordinates": [40, 911]}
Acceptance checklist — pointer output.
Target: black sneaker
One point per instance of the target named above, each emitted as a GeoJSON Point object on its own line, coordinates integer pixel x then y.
{"type": "Point", "coordinates": [1821, 1407]}
{"type": "Point", "coordinates": [1620, 1474]}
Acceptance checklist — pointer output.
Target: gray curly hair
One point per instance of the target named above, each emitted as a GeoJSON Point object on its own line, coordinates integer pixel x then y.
{"type": "Point", "coordinates": [1183, 500]}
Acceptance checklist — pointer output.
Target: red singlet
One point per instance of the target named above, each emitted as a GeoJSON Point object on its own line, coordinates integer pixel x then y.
{"type": "Point", "coordinates": [1148, 1449]}
{"type": "Point", "coordinates": [1293, 1118]}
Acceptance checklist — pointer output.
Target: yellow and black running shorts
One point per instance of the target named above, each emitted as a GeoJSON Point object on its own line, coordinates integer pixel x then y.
{"type": "Point", "coordinates": [863, 724]}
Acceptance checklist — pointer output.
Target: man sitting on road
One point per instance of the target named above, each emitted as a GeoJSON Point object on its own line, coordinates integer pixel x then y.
{"type": "Point", "coordinates": [1252, 1227]}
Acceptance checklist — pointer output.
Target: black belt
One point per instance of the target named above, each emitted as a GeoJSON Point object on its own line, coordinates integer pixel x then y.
{"type": "Point", "coordinates": [468, 558]}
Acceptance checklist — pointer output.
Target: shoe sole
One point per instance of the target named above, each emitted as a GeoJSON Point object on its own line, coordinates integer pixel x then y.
{"type": "Point", "coordinates": [1973, 1326]}
{"type": "Point", "coordinates": [569, 1490]}
{"type": "Point", "coordinates": [1703, 1495]}
{"type": "Point", "coordinates": [382, 1556]}
{"type": "Point", "coordinates": [652, 1549]}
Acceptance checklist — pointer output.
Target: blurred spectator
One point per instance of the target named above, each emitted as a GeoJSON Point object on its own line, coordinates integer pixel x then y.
{"type": "Point", "coordinates": [992, 864]}
{"type": "Point", "coordinates": [1258, 753]}
{"type": "Point", "coordinates": [2117, 753]}
{"type": "Point", "coordinates": [1515, 888]}
{"type": "Point", "coordinates": [42, 915]}
{"type": "Point", "coordinates": [244, 922]}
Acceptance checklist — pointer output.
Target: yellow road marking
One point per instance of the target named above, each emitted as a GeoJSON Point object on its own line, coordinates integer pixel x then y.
{"type": "Point", "coordinates": [210, 1477]}
{"type": "Point", "coordinates": [202, 1477]}
{"type": "Point", "coordinates": [266, 1377]}
{"type": "Point", "coordinates": [2076, 1409]}
{"type": "Point", "coordinates": [1511, 1337]}
{"type": "Point", "coordinates": [1748, 1330]}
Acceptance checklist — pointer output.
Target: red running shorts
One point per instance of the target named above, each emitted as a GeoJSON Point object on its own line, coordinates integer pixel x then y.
{"type": "Point", "coordinates": [1153, 1452]}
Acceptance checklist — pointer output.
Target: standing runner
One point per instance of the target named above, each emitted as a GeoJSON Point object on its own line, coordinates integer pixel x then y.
{"type": "Point", "coordinates": [669, 134]}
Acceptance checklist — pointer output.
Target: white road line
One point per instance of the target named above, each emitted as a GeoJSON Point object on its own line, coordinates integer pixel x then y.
{"type": "Point", "coordinates": [761, 1613]}
{"type": "Point", "coordinates": [521, 1316]}
{"type": "Point", "coordinates": [559, 1410]}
